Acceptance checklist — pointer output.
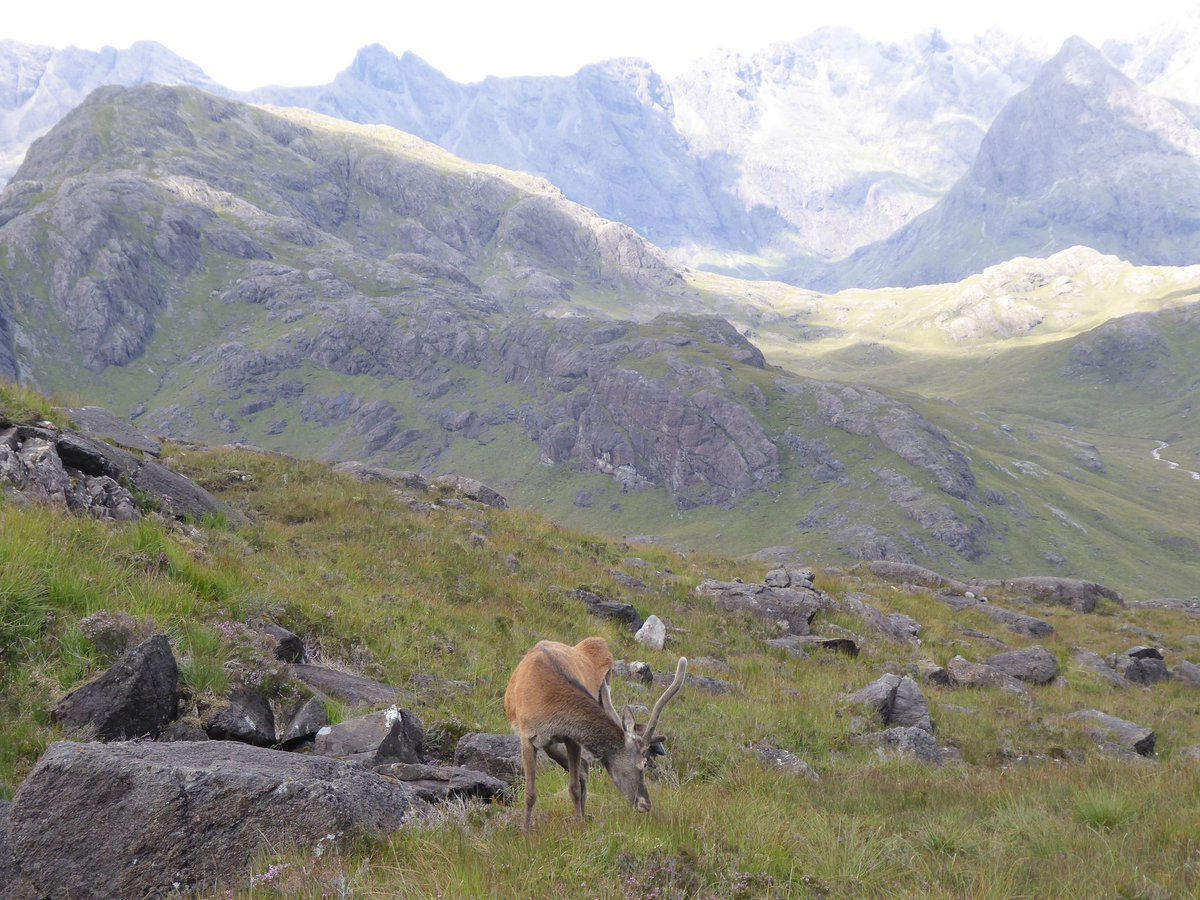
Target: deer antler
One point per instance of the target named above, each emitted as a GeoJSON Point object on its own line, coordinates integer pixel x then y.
{"type": "Point", "coordinates": [652, 722]}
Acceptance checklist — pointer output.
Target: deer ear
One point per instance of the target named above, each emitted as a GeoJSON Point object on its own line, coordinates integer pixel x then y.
{"type": "Point", "coordinates": [627, 722]}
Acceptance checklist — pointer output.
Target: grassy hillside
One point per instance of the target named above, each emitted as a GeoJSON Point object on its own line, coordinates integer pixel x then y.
{"type": "Point", "coordinates": [407, 595]}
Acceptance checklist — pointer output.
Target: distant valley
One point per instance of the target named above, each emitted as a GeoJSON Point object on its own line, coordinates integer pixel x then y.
{"type": "Point", "coordinates": [223, 273]}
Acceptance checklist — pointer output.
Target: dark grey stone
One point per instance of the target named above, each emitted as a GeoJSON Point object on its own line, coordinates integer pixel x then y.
{"type": "Point", "coordinates": [604, 608]}
{"type": "Point", "coordinates": [1034, 665]}
{"type": "Point", "coordinates": [783, 761]}
{"type": "Point", "coordinates": [97, 422]}
{"type": "Point", "coordinates": [247, 719]}
{"type": "Point", "coordinates": [898, 701]}
{"type": "Point", "coordinates": [1127, 735]}
{"type": "Point", "coordinates": [310, 718]}
{"type": "Point", "coordinates": [387, 736]}
{"type": "Point", "coordinates": [437, 784]}
{"type": "Point", "coordinates": [343, 686]}
{"type": "Point", "coordinates": [124, 819]}
{"type": "Point", "coordinates": [1082, 596]}
{"type": "Point", "coordinates": [499, 755]}
{"type": "Point", "coordinates": [963, 672]}
{"type": "Point", "coordinates": [911, 741]}
{"type": "Point", "coordinates": [182, 731]}
{"type": "Point", "coordinates": [136, 697]}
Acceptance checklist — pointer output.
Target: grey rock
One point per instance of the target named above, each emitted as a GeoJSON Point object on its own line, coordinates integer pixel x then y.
{"type": "Point", "coordinates": [182, 731]}
{"type": "Point", "coordinates": [387, 736]}
{"type": "Point", "coordinates": [472, 490]}
{"type": "Point", "coordinates": [119, 820]}
{"type": "Point", "coordinates": [898, 700]}
{"type": "Point", "coordinates": [792, 606]}
{"type": "Point", "coordinates": [135, 697]}
{"type": "Point", "coordinates": [305, 722]}
{"type": "Point", "coordinates": [893, 626]}
{"type": "Point", "coordinates": [1187, 673]}
{"type": "Point", "coordinates": [790, 644]}
{"type": "Point", "coordinates": [1094, 662]}
{"type": "Point", "coordinates": [1127, 735]}
{"type": "Point", "coordinates": [907, 573]}
{"type": "Point", "coordinates": [1190, 605]}
{"type": "Point", "coordinates": [394, 477]}
{"type": "Point", "coordinates": [783, 761]}
{"type": "Point", "coordinates": [499, 755]}
{"type": "Point", "coordinates": [1144, 653]}
{"type": "Point", "coordinates": [288, 645]}
{"type": "Point", "coordinates": [1188, 753]}
{"type": "Point", "coordinates": [1140, 670]}
{"type": "Point", "coordinates": [1081, 596]}
{"type": "Point", "coordinates": [910, 741]}
{"type": "Point", "coordinates": [932, 673]}
{"type": "Point", "coordinates": [437, 784]}
{"type": "Point", "coordinates": [113, 633]}
{"type": "Point", "coordinates": [97, 422]}
{"type": "Point", "coordinates": [636, 671]}
{"type": "Point", "coordinates": [629, 583]}
{"type": "Point", "coordinates": [247, 719]}
{"type": "Point", "coordinates": [963, 672]}
{"type": "Point", "coordinates": [604, 608]}
{"type": "Point", "coordinates": [1034, 665]}
{"type": "Point", "coordinates": [789, 576]}
{"type": "Point", "coordinates": [344, 686]}
{"type": "Point", "coordinates": [9, 870]}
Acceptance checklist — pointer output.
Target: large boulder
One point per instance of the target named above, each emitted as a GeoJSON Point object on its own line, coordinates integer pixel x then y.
{"type": "Point", "coordinates": [472, 490]}
{"type": "Point", "coordinates": [605, 608]}
{"type": "Point", "coordinates": [136, 697]}
{"type": "Point", "coordinates": [246, 718]}
{"type": "Point", "coordinates": [894, 626]}
{"type": "Point", "coordinates": [148, 819]}
{"type": "Point", "coordinates": [388, 736]}
{"type": "Point", "coordinates": [907, 573]}
{"type": "Point", "coordinates": [1141, 665]}
{"type": "Point", "coordinates": [1109, 731]}
{"type": "Point", "coordinates": [898, 701]}
{"type": "Point", "coordinates": [964, 673]}
{"type": "Point", "coordinates": [1033, 665]}
{"type": "Point", "coordinates": [907, 741]}
{"type": "Point", "coordinates": [794, 607]}
{"type": "Point", "coordinates": [1082, 596]}
{"type": "Point", "coordinates": [499, 755]}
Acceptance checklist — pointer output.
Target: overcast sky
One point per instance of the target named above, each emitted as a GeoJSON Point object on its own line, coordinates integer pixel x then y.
{"type": "Point", "coordinates": [248, 43]}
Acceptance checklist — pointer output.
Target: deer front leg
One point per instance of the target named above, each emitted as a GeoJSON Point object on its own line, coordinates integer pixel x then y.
{"type": "Point", "coordinates": [529, 761]}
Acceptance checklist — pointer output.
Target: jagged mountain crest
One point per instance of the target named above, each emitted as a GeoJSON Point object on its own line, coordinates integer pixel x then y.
{"type": "Point", "coordinates": [1082, 156]}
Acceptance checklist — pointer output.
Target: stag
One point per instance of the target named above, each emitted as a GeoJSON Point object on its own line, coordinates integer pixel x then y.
{"type": "Point", "coordinates": [558, 701]}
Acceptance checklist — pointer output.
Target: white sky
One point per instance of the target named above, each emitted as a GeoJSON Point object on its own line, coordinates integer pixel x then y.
{"type": "Point", "coordinates": [249, 43]}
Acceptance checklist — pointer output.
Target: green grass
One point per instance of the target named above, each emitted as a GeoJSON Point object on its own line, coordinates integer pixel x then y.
{"type": "Point", "coordinates": [392, 592]}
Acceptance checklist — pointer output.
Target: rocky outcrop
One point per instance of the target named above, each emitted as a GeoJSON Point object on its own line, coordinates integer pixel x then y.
{"type": "Point", "coordinates": [103, 820]}
{"type": "Point", "coordinates": [792, 608]}
{"type": "Point", "coordinates": [499, 755]}
{"type": "Point", "coordinates": [964, 672]}
{"type": "Point", "coordinates": [437, 784]}
{"type": "Point", "coordinates": [388, 736]}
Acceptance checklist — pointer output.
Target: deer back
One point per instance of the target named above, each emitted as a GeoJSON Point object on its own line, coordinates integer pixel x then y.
{"type": "Point", "coordinates": [555, 688]}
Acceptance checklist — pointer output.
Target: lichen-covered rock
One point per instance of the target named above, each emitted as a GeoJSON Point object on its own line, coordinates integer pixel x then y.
{"type": "Point", "coordinates": [909, 741]}
{"type": "Point", "coordinates": [472, 489]}
{"type": "Point", "coordinates": [794, 607]}
{"type": "Point", "coordinates": [121, 820]}
{"type": "Point", "coordinates": [963, 672]}
{"type": "Point", "coordinates": [437, 784]}
{"type": "Point", "coordinates": [247, 718]}
{"type": "Point", "coordinates": [606, 608]}
{"type": "Point", "coordinates": [652, 634]}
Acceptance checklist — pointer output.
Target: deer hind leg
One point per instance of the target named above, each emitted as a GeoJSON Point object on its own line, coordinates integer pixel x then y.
{"type": "Point", "coordinates": [577, 770]}
{"type": "Point", "coordinates": [558, 753]}
{"type": "Point", "coordinates": [529, 761]}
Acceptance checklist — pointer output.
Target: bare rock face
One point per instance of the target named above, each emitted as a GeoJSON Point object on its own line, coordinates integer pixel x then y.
{"type": "Point", "coordinates": [136, 697]}
{"type": "Point", "coordinates": [437, 784]}
{"type": "Point", "coordinates": [119, 820]}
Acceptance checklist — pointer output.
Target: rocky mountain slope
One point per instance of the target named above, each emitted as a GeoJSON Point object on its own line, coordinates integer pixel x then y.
{"type": "Point", "coordinates": [1082, 156]}
{"type": "Point", "coordinates": [225, 273]}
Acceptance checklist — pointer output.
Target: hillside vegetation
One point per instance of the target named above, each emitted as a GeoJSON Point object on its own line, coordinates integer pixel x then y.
{"type": "Point", "coordinates": [442, 598]}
